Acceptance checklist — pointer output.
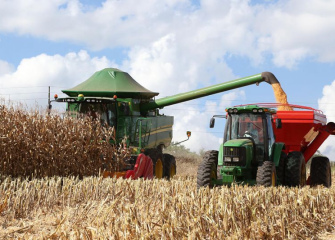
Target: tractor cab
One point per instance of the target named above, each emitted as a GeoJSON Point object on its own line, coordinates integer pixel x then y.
{"type": "Point", "coordinates": [248, 142]}
{"type": "Point", "coordinates": [249, 126]}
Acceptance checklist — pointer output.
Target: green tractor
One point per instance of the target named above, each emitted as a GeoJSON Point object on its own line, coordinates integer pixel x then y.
{"type": "Point", "coordinates": [268, 147]}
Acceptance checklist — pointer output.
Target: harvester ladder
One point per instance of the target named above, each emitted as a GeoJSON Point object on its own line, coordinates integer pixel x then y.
{"type": "Point", "coordinates": [142, 131]}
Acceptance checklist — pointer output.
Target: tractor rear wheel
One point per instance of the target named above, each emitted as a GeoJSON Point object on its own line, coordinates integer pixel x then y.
{"type": "Point", "coordinates": [295, 170]}
{"type": "Point", "coordinates": [169, 166]}
{"type": "Point", "coordinates": [321, 172]}
{"type": "Point", "coordinates": [266, 174]}
{"type": "Point", "coordinates": [207, 170]}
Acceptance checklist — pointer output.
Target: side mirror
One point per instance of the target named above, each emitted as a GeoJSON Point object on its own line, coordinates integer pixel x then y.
{"type": "Point", "coordinates": [278, 123]}
{"type": "Point", "coordinates": [212, 122]}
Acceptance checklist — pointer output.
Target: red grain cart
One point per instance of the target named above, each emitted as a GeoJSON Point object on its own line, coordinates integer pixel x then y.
{"type": "Point", "coordinates": [303, 131]}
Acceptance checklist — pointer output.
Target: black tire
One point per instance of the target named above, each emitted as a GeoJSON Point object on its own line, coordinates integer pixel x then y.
{"type": "Point", "coordinates": [207, 170]}
{"type": "Point", "coordinates": [280, 169]}
{"type": "Point", "coordinates": [170, 168]}
{"type": "Point", "coordinates": [321, 172]}
{"type": "Point", "coordinates": [266, 174]}
{"type": "Point", "coordinates": [295, 170]}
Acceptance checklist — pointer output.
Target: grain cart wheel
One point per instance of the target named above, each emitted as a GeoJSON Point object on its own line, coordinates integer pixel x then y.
{"type": "Point", "coordinates": [321, 172]}
{"type": "Point", "coordinates": [266, 174]}
{"type": "Point", "coordinates": [280, 169]}
{"type": "Point", "coordinates": [295, 170]}
{"type": "Point", "coordinates": [169, 166]}
{"type": "Point", "coordinates": [207, 170]}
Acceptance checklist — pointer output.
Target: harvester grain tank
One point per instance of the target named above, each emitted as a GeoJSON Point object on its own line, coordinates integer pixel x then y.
{"type": "Point", "coordinates": [268, 147]}
{"type": "Point", "coordinates": [133, 111]}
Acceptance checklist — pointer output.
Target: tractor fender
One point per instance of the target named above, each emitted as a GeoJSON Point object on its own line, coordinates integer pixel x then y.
{"type": "Point", "coordinates": [277, 148]}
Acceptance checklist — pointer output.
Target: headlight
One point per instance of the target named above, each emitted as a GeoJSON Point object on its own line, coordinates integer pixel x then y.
{"type": "Point", "coordinates": [227, 159]}
{"type": "Point", "coordinates": [236, 159]}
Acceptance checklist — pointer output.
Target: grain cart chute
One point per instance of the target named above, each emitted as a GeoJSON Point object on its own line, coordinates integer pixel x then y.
{"type": "Point", "coordinates": [133, 111]}
{"type": "Point", "coordinates": [267, 147]}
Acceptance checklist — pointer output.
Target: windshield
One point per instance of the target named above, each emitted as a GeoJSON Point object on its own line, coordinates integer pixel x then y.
{"type": "Point", "coordinates": [106, 112]}
{"type": "Point", "coordinates": [246, 125]}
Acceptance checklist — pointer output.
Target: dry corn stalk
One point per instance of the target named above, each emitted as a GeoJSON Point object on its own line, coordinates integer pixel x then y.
{"type": "Point", "coordinates": [37, 145]}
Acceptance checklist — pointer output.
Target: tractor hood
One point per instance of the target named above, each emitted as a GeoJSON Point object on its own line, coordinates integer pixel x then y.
{"type": "Point", "coordinates": [241, 142]}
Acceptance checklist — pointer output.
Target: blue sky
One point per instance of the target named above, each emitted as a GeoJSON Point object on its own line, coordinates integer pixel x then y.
{"type": "Point", "coordinates": [172, 46]}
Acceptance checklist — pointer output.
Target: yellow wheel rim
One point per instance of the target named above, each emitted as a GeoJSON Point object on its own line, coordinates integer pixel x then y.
{"type": "Point", "coordinates": [172, 170]}
{"type": "Point", "coordinates": [159, 169]}
{"type": "Point", "coordinates": [213, 175]}
{"type": "Point", "coordinates": [273, 183]}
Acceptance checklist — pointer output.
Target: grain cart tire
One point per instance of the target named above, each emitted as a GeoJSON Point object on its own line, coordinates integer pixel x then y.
{"type": "Point", "coordinates": [169, 166]}
{"type": "Point", "coordinates": [280, 169]}
{"type": "Point", "coordinates": [321, 172]}
{"type": "Point", "coordinates": [295, 170]}
{"type": "Point", "coordinates": [266, 175]}
{"type": "Point", "coordinates": [207, 170]}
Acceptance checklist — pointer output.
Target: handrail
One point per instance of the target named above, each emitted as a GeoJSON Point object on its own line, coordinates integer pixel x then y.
{"type": "Point", "coordinates": [275, 105]}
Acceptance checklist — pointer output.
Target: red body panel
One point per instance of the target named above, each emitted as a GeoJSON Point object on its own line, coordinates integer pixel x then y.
{"type": "Point", "coordinates": [302, 131]}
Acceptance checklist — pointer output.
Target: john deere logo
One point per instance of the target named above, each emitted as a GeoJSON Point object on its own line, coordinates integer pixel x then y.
{"type": "Point", "coordinates": [232, 149]}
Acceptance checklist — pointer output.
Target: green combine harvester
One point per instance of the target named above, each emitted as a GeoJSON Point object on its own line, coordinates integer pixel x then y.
{"type": "Point", "coordinates": [133, 111]}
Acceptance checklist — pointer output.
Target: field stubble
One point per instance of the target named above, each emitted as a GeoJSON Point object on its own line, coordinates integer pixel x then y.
{"type": "Point", "coordinates": [93, 208]}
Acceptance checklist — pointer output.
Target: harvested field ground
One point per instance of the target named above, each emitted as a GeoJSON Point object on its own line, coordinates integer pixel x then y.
{"type": "Point", "coordinates": [96, 208]}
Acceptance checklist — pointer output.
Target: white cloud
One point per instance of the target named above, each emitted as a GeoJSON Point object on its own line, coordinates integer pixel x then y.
{"type": "Point", "coordinates": [161, 67]}
{"type": "Point", "coordinates": [29, 82]}
{"type": "Point", "coordinates": [327, 105]}
{"type": "Point", "coordinates": [289, 31]}
{"type": "Point", "coordinates": [5, 68]}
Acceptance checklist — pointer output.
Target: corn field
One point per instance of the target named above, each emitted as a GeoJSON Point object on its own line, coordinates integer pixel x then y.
{"type": "Point", "coordinates": [97, 208]}
{"type": "Point", "coordinates": [39, 145]}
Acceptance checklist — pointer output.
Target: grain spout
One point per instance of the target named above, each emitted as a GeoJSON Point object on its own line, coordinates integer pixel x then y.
{"type": "Point", "coordinates": [280, 94]}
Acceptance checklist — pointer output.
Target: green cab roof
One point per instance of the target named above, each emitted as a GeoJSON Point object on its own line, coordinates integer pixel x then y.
{"type": "Point", "coordinates": [109, 82]}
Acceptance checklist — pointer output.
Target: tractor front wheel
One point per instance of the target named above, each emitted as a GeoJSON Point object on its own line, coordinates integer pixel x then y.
{"type": "Point", "coordinates": [321, 172]}
{"type": "Point", "coordinates": [266, 174]}
{"type": "Point", "coordinates": [295, 170]}
{"type": "Point", "coordinates": [207, 170]}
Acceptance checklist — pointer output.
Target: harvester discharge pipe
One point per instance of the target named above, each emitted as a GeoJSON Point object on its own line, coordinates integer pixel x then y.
{"type": "Point", "coordinates": [221, 87]}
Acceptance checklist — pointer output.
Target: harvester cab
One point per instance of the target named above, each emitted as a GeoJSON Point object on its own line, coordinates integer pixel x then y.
{"type": "Point", "coordinates": [266, 146]}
